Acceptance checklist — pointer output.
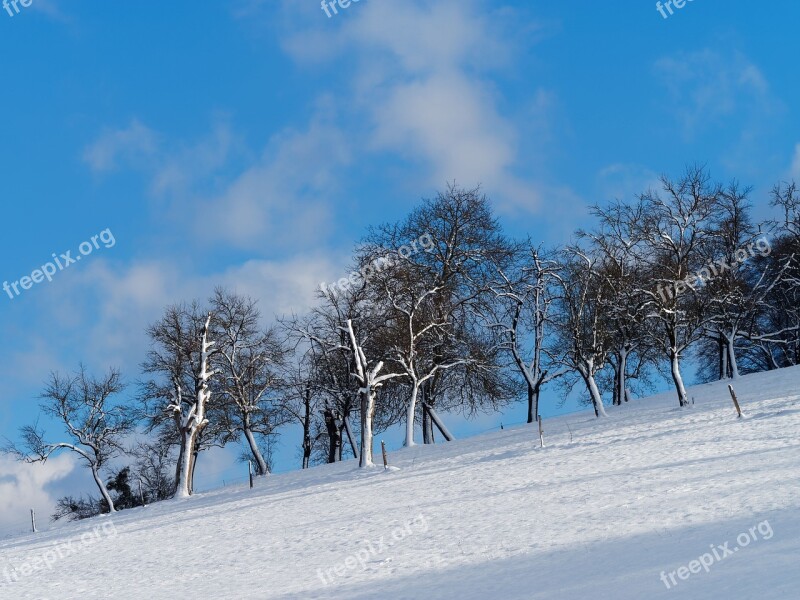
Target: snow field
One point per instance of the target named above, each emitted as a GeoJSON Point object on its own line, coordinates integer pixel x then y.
{"type": "Point", "coordinates": [646, 491]}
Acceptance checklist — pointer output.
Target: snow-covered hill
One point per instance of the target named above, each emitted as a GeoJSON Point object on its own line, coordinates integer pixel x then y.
{"type": "Point", "coordinates": [653, 502]}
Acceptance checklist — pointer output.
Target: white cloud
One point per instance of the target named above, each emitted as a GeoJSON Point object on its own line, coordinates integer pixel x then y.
{"type": "Point", "coordinates": [423, 86]}
{"type": "Point", "coordinates": [131, 145]}
{"type": "Point", "coordinates": [181, 168]}
{"type": "Point", "coordinates": [625, 181]}
{"type": "Point", "coordinates": [283, 287]}
{"type": "Point", "coordinates": [708, 88]}
{"type": "Point", "coordinates": [24, 486]}
{"type": "Point", "coordinates": [51, 9]}
{"type": "Point", "coordinates": [284, 198]}
{"type": "Point", "coordinates": [281, 198]}
{"type": "Point", "coordinates": [794, 170]}
{"type": "Point", "coordinates": [111, 304]}
{"type": "Point", "coordinates": [449, 122]}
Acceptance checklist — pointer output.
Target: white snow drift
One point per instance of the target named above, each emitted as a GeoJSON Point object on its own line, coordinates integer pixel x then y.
{"type": "Point", "coordinates": [609, 508]}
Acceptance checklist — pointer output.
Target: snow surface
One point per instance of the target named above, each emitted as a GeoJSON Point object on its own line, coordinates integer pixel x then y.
{"type": "Point", "coordinates": [599, 512]}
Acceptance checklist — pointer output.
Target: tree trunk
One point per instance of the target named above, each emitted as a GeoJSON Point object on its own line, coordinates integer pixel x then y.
{"type": "Point", "coordinates": [531, 411]}
{"type": "Point", "coordinates": [621, 378]}
{"type": "Point", "coordinates": [184, 467]}
{"type": "Point", "coordinates": [261, 465]}
{"type": "Point", "coordinates": [434, 417]}
{"type": "Point", "coordinates": [193, 467]}
{"type": "Point", "coordinates": [733, 366]}
{"type": "Point", "coordinates": [594, 392]}
{"type": "Point", "coordinates": [367, 412]}
{"type": "Point", "coordinates": [307, 430]}
{"type": "Point", "coordinates": [103, 490]}
{"type": "Point", "coordinates": [411, 411]}
{"type": "Point", "coordinates": [537, 390]}
{"type": "Point", "coordinates": [677, 379]}
{"type": "Point", "coordinates": [334, 436]}
{"type": "Point", "coordinates": [196, 420]}
{"type": "Point", "coordinates": [597, 399]}
{"type": "Point", "coordinates": [427, 430]}
{"type": "Point", "coordinates": [350, 437]}
{"type": "Point", "coordinates": [533, 398]}
{"type": "Point", "coordinates": [180, 461]}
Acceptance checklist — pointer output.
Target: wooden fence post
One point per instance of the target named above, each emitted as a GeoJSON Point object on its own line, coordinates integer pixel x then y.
{"type": "Point", "coordinates": [141, 495]}
{"type": "Point", "coordinates": [385, 460]}
{"type": "Point", "coordinates": [250, 472]}
{"type": "Point", "coordinates": [33, 520]}
{"type": "Point", "coordinates": [735, 401]}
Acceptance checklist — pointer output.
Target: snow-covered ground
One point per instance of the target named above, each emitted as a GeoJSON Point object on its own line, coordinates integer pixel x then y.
{"type": "Point", "coordinates": [600, 512]}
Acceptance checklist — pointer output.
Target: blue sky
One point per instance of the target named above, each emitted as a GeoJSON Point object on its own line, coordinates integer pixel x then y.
{"type": "Point", "coordinates": [251, 142]}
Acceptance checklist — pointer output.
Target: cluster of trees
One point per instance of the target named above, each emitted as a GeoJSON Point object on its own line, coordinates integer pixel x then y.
{"type": "Point", "coordinates": [472, 323]}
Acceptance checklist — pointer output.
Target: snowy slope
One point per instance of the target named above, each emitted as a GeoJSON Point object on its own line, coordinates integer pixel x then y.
{"type": "Point", "coordinates": [598, 513]}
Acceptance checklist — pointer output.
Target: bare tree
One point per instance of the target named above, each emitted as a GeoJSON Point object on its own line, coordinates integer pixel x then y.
{"type": "Point", "coordinates": [624, 309]}
{"type": "Point", "coordinates": [94, 423]}
{"type": "Point", "coordinates": [579, 324]}
{"type": "Point", "coordinates": [328, 368]}
{"type": "Point", "coordinates": [249, 360]}
{"type": "Point", "coordinates": [737, 295]}
{"type": "Point", "coordinates": [430, 298]}
{"type": "Point", "coordinates": [154, 459]}
{"type": "Point", "coordinates": [408, 295]}
{"type": "Point", "coordinates": [367, 374]}
{"type": "Point", "coordinates": [774, 334]}
{"type": "Point", "coordinates": [182, 354]}
{"type": "Point", "coordinates": [302, 400]}
{"type": "Point", "coordinates": [520, 315]}
{"type": "Point", "coordinates": [670, 234]}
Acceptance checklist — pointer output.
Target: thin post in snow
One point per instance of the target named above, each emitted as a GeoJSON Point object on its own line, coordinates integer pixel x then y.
{"type": "Point", "coordinates": [141, 495]}
{"type": "Point", "coordinates": [33, 520]}
{"type": "Point", "coordinates": [735, 401]}
{"type": "Point", "coordinates": [250, 472]}
{"type": "Point", "coordinates": [541, 432]}
{"type": "Point", "coordinates": [385, 459]}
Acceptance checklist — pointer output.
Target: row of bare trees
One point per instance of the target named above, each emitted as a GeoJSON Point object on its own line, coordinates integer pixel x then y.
{"type": "Point", "coordinates": [470, 324]}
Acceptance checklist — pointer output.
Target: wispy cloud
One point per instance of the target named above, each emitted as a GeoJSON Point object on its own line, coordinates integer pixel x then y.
{"type": "Point", "coordinates": [24, 486]}
{"type": "Point", "coordinates": [284, 197]}
{"type": "Point", "coordinates": [624, 181]}
{"type": "Point", "coordinates": [707, 88]}
{"type": "Point", "coordinates": [130, 146]}
{"type": "Point", "coordinates": [794, 169]}
{"type": "Point", "coordinates": [422, 76]}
